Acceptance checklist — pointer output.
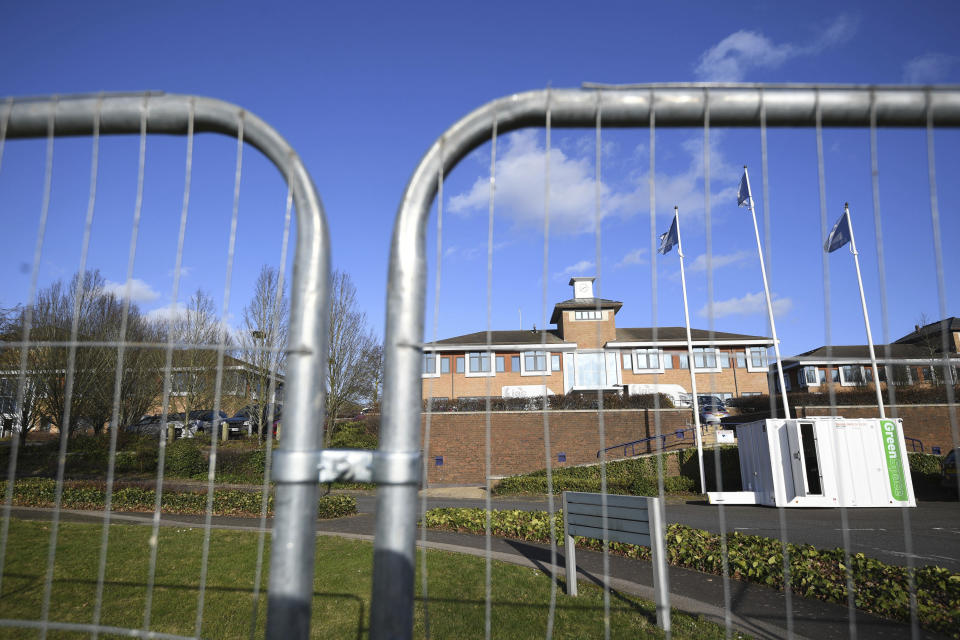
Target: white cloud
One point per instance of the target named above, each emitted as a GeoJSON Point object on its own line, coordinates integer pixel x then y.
{"type": "Point", "coordinates": [927, 69]}
{"type": "Point", "coordinates": [634, 257]}
{"type": "Point", "coordinates": [164, 313]}
{"type": "Point", "coordinates": [581, 268]}
{"type": "Point", "coordinates": [748, 305]}
{"type": "Point", "coordinates": [520, 193]}
{"type": "Point", "coordinates": [185, 271]}
{"type": "Point", "coordinates": [719, 260]}
{"type": "Point", "coordinates": [520, 177]}
{"type": "Point", "coordinates": [732, 58]}
{"type": "Point", "coordinates": [140, 291]}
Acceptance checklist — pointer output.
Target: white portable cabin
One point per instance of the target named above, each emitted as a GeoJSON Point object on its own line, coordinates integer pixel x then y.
{"type": "Point", "coordinates": [822, 462]}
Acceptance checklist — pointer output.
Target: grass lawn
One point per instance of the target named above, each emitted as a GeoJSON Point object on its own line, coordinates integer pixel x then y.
{"type": "Point", "coordinates": [341, 602]}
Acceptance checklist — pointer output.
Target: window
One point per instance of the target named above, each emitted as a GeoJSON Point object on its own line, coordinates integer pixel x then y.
{"type": "Point", "coordinates": [835, 375]}
{"type": "Point", "coordinates": [851, 375]}
{"type": "Point", "coordinates": [459, 364]}
{"type": "Point", "coordinates": [741, 360]}
{"type": "Point", "coordinates": [684, 361]}
{"type": "Point", "coordinates": [724, 396]}
{"type": "Point", "coordinates": [500, 364]}
{"type": "Point", "coordinates": [808, 376]}
{"type": "Point", "coordinates": [430, 366]}
{"type": "Point", "coordinates": [756, 359]}
{"type": "Point", "coordinates": [515, 363]}
{"type": "Point", "coordinates": [724, 359]}
{"type": "Point", "coordinates": [534, 362]}
{"type": "Point", "coordinates": [588, 315]}
{"type": "Point", "coordinates": [646, 360]}
{"type": "Point", "coordinates": [627, 360]}
{"type": "Point", "coordinates": [704, 358]}
{"type": "Point", "coordinates": [479, 362]}
{"type": "Point", "coordinates": [444, 365]}
{"type": "Point", "coordinates": [555, 362]}
{"type": "Point", "coordinates": [748, 394]}
{"type": "Point", "coordinates": [667, 360]}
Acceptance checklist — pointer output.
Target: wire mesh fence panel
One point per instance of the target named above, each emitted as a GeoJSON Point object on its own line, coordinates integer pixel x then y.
{"type": "Point", "coordinates": [525, 202]}
{"type": "Point", "coordinates": [125, 374]}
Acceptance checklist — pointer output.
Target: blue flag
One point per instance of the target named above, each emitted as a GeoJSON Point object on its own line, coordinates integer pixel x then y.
{"type": "Point", "coordinates": [743, 193]}
{"type": "Point", "coordinates": [669, 239]}
{"type": "Point", "coordinates": [839, 235]}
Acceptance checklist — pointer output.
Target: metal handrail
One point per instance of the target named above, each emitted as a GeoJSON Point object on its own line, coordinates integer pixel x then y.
{"type": "Point", "coordinates": [914, 443]}
{"type": "Point", "coordinates": [633, 443]}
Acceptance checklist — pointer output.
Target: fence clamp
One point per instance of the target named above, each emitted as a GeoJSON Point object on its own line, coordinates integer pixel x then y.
{"type": "Point", "coordinates": [347, 465]}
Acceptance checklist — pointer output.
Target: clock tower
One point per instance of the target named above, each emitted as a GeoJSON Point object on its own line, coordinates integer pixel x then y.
{"type": "Point", "coordinates": [582, 287]}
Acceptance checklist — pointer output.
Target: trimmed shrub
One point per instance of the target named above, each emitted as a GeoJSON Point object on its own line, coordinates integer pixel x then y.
{"type": "Point", "coordinates": [184, 459]}
{"type": "Point", "coordinates": [352, 435]}
{"type": "Point", "coordinates": [568, 402]}
{"type": "Point", "coordinates": [40, 492]}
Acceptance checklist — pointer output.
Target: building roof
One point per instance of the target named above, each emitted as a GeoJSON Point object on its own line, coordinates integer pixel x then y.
{"type": "Point", "coordinates": [503, 337]}
{"type": "Point", "coordinates": [583, 303]}
{"type": "Point", "coordinates": [672, 334]}
{"type": "Point", "coordinates": [860, 352]}
{"type": "Point", "coordinates": [931, 330]}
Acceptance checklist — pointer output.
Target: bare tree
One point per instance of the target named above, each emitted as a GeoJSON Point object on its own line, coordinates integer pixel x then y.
{"type": "Point", "coordinates": [197, 332]}
{"type": "Point", "coordinates": [263, 343]}
{"type": "Point", "coordinates": [352, 349]}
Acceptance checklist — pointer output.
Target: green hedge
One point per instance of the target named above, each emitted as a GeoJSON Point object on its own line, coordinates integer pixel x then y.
{"type": "Point", "coordinates": [634, 476]}
{"type": "Point", "coordinates": [881, 589]}
{"type": "Point", "coordinates": [40, 492]}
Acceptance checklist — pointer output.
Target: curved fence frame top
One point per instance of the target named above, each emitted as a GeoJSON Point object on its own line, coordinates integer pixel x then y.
{"type": "Point", "coordinates": [674, 105]}
{"type": "Point", "coordinates": [294, 533]}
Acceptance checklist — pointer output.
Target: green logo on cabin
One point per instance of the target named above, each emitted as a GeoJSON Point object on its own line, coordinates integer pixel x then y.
{"type": "Point", "coordinates": [894, 458]}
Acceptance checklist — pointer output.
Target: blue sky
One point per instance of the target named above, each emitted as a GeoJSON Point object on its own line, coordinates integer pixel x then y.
{"type": "Point", "coordinates": [362, 89]}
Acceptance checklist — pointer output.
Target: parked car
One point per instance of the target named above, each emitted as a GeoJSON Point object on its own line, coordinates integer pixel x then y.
{"type": "Point", "coordinates": [712, 409]}
{"type": "Point", "coordinates": [948, 477]}
{"type": "Point", "coordinates": [151, 425]}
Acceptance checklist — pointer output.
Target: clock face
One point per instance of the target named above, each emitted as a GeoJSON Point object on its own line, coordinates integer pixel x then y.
{"type": "Point", "coordinates": [582, 289]}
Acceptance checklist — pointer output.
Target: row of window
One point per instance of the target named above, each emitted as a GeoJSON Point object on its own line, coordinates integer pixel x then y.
{"type": "Point", "coordinates": [640, 360]}
{"type": "Point", "coordinates": [588, 315]}
{"type": "Point", "coordinates": [850, 375]}
{"type": "Point", "coordinates": [637, 360]}
{"type": "Point", "coordinates": [478, 363]}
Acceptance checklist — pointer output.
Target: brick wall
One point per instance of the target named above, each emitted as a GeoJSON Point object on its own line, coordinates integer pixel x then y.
{"type": "Point", "coordinates": [517, 443]}
{"type": "Point", "coordinates": [588, 334]}
{"type": "Point", "coordinates": [733, 380]}
{"type": "Point", "coordinates": [929, 423]}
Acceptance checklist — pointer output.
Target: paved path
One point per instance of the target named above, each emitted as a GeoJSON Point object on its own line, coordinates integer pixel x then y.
{"type": "Point", "coordinates": [754, 609]}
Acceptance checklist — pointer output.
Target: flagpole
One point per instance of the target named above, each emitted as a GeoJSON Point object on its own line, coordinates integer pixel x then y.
{"type": "Point", "coordinates": [866, 317]}
{"type": "Point", "coordinates": [693, 377]}
{"type": "Point", "coordinates": [766, 291]}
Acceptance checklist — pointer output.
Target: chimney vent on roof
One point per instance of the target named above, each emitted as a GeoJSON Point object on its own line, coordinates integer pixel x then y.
{"type": "Point", "coordinates": [916, 327]}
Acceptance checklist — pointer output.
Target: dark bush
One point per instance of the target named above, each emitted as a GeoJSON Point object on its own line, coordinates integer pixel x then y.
{"type": "Point", "coordinates": [40, 492]}
{"type": "Point", "coordinates": [844, 397]}
{"type": "Point", "coordinates": [352, 435]}
{"type": "Point", "coordinates": [568, 402]}
{"type": "Point", "coordinates": [184, 459]}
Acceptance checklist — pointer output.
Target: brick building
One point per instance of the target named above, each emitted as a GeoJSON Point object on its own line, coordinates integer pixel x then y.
{"type": "Point", "coordinates": [915, 359]}
{"type": "Point", "coordinates": [588, 352]}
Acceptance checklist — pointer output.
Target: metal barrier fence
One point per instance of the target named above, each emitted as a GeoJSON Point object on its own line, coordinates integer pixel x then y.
{"type": "Point", "coordinates": [300, 464]}
{"type": "Point", "coordinates": [293, 542]}
{"type": "Point", "coordinates": [599, 107]}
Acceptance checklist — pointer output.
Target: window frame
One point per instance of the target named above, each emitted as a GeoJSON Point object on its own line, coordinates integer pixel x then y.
{"type": "Point", "coordinates": [753, 368]}
{"type": "Point", "coordinates": [481, 355]}
{"type": "Point", "coordinates": [436, 365]}
{"type": "Point", "coordinates": [591, 314]}
{"type": "Point", "coordinates": [646, 351]}
{"type": "Point", "coordinates": [851, 383]}
{"type": "Point", "coordinates": [716, 360]}
{"type": "Point", "coordinates": [546, 371]}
